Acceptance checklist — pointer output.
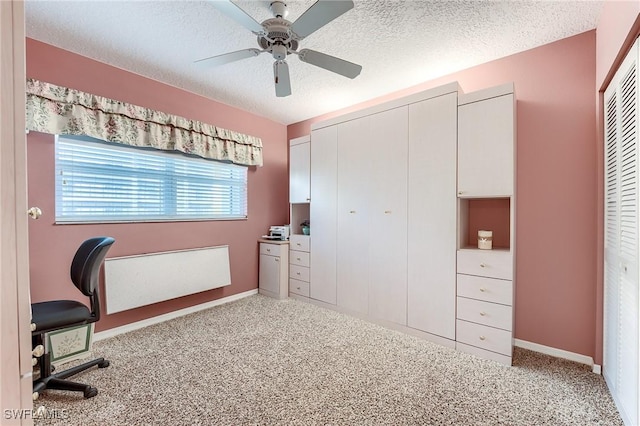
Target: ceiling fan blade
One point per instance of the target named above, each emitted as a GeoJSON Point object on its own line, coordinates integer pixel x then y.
{"type": "Point", "coordinates": [281, 76]}
{"type": "Point", "coordinates": [229, 57]}
{"type": "Point", "coordinates": [318, 15]}
{"type": "Point", "coordinates": [240, 16]}
{"type": "Point", "coordinates": [331, 63]}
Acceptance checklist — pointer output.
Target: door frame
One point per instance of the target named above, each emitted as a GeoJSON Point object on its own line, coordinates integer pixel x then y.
{"type": "Point", "coordinates": [15, 309]}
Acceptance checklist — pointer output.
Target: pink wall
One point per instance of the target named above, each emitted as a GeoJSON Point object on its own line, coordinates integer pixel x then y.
{"type": "Point", "coordinates": [618, 27]}
{"type": "Point", "coordinates": [556, 185]}
{"type": "Point", "coordinates": [53, 246]}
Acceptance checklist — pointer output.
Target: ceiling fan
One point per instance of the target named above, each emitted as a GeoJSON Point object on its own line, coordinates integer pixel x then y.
{"type": "Point", "coordinates": [280, 38]}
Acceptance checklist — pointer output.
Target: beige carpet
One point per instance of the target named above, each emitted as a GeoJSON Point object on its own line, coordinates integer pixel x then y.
{"type": "Point", "coordinates": [259, 361]}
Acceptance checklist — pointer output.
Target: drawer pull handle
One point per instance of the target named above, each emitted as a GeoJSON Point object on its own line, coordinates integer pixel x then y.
{"type": "Point", "coordinates": [298, 244]}
{"type": "Point", "coordinates": [352, 211]}
{"type": "Point", "coordinates": [482, 289]}
{"type": "Point", "coordinates": [387, 212]}
{"type": "Point", "coordinates": [460, 192]}
{"type": "Point", "coordinates": [297, 273]}
{"type": "Point", "coordinates": [308, 199]}
{"type": "Point", "coordinates": [277, 259]}
{"type": "Point", "coordinates": [268, 249]}
{"type": "Point", "coordinates": [482, 265]}
{"type": "Point", "coordinates": [482, 314]}
{"type": "Point", "coordinates": [297, 258]}
{"type": "Point", "coordinates": [298, 287]}
{"type": "Point", "coordinates": [482, 337]}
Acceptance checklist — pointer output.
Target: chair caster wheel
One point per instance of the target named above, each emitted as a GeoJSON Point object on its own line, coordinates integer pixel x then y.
{"type": "Point", "coordinates": [90, 392]}
{"type": "Point", "coordinates": [104, 364]}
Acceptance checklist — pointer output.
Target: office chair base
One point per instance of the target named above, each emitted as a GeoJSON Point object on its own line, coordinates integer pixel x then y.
{"type": "Point", "coordinates": [57, 380]}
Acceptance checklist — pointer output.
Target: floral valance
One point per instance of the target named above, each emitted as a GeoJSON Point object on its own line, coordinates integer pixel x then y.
{"type": "Point", "coordinates": [60, 110]}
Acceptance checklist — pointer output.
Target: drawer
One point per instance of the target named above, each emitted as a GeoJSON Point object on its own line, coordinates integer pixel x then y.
{"type": "Point", "coordinates": [300, 258]}
{"type": "Point", "coordinates": [486, 263]}
{"type": "Point", "coordinates": [487, 289]}
{"type": "Point", "coordinates": [299, 287]}
{"type": "Point", "coordinates": [300, 242]}
{"type": "Point", "coordinates": [485, 337]}
{"type": "Point", "coordinates": [487, 313]}
{"type": "Point", "coordinates": [299, 273]}
{"type": "Point", "coordinates": [270, 249]}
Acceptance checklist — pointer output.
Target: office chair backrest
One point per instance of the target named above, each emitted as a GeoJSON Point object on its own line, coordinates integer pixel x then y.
{"type": "Point", "coordinates": [85, 268]}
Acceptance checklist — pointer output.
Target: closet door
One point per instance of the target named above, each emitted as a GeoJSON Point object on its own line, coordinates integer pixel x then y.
{"type": "Point", "coordinates": [432, 216]}
{"type": "Point", "coordinates": [386, 175]}
{"type": "Point", "coordinates": [354, 173]}
{"type": "Point", "coordinates": [621, 314]}
{"type": "Point", "coordinates": [324, 158]}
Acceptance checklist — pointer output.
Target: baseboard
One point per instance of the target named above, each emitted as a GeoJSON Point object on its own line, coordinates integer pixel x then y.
{"type": "Point", "coordinates": [101, 335]}
{"type": "Point", "coordinates": [559, 353]}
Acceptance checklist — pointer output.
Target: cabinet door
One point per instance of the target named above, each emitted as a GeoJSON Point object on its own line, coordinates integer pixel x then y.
{"type": "Point", "coordinates": [386, 176]}
{"type": "Point", "coordinates": [269, 273]}
{"type": "Point", "coordinates": [432, 216]}
{"type": "Point", "coordinates": [485, 148]}
{"type": "Point", "coordinates": [299, 168]}
{"type": "Point", "coordinates": [353, 227]}
{"type": "Point", "coordinates": [324, 152]}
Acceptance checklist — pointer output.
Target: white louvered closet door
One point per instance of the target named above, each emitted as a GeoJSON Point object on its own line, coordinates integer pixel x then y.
{"type": "Point", "coordinates": [621, 263]}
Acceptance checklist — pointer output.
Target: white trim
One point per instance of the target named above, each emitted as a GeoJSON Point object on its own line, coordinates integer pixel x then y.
{"type": "Point", "coordinates": [491, 92]}
{"type": "Point", "coordinates": [597, 368]}
{"type": "Point", "coordinates": [395, 103]}
{"type": "Point", "coordinates": [112, 332]}
{"type": "Point", "coordinates": [558, 353]}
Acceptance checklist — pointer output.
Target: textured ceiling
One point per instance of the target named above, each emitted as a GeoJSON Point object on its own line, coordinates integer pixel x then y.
{"type": "Point", "coordinates": [399, 43]}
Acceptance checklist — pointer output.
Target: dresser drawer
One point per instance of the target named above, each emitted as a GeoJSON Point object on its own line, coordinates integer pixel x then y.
{"type": "Point", "coordinates": [486, 263]}
{"type": "Point", "coordinates": [298, 287]}
{"type": "Point", "coordinates": [485, 337]}
{"type": "Point", "coordinates": [487, 289]}
{"type": "Point", "coordinates": [300, 242]}
{"type": "Point", "coordinates": [487, 313]}
{"type": "Point", "coordinates": [271, 249]}
{"type": "Point", "coordinates": [299, 273]}
{"type": "Point", "coordinates": [300, 258]}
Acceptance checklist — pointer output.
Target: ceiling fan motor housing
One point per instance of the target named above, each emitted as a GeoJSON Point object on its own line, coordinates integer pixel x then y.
{"type": "Point", "coordinates": [278, 40]}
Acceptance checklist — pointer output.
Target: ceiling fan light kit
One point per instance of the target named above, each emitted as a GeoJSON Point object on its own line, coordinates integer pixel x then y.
{"type": "Point", "coordinates": [281, 38]}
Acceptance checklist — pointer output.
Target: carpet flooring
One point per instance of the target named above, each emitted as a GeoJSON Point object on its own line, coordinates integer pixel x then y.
{"type": "Point", "coordinates": [259, 361]}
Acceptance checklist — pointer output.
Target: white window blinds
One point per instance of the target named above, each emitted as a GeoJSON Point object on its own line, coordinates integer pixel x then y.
{"type": "Point", "coordinates": [101, 182]}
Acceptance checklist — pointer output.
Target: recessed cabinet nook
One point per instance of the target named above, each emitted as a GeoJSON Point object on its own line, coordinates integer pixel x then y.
{"type": "Point", "coordinates": [396, 196]}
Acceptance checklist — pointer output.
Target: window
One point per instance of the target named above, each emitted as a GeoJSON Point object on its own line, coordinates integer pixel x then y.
{"type": "Point", "coordinates": [103, 182]}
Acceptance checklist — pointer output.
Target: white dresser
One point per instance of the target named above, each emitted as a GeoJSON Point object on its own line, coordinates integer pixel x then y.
{"type": "Point", "coordinates": [299, 264]}
{"type": "Point", "coordinates": [273, 279]}
{"type": "Point", "coordinates": [485, 303]}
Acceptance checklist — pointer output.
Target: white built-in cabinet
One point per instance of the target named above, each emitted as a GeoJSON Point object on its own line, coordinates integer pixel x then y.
{"type": "Point", "coordinates": [383, 191]}
{"type": "Point", "coordinates": [324, 189]}
{"type": "Point", "coordinates": [392, 190]}
{"type": "Point", "coordinates": [486, 174]}
{"type": "Point", "coordinates": [432, 215]}
{"type": "Point", "coordinates": [372, 215]}
{"type": "Point", "coordinates": [621, 264]}
{"type": "Point", "coordinates": [299, 198]}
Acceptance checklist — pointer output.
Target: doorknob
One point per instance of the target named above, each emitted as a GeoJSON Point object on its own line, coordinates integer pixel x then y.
{"type": "Point", "coordinates": [34, 212]}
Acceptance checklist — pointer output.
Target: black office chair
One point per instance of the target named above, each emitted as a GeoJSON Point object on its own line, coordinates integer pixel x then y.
{"type": "Point", "coordinates": [60, 314]}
